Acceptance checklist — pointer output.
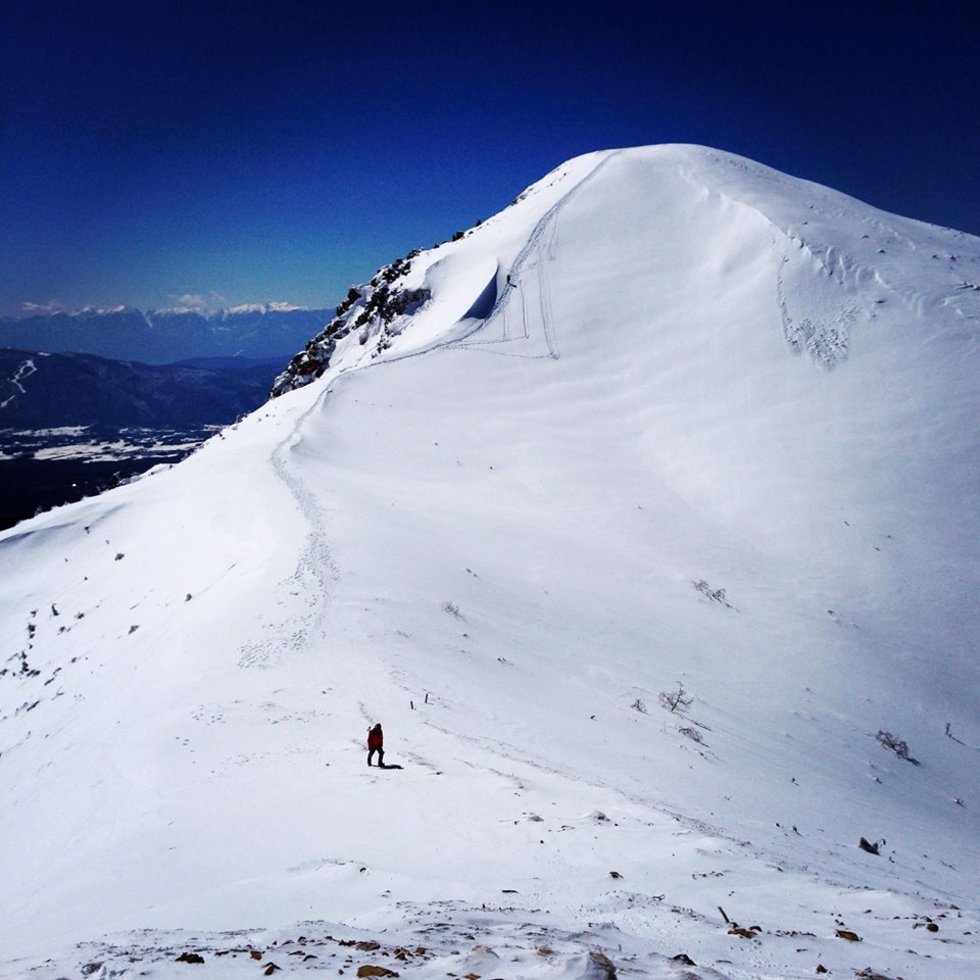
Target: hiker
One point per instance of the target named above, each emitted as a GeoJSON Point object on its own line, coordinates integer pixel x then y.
{"type": "Point", "coordinates": [375, 742]}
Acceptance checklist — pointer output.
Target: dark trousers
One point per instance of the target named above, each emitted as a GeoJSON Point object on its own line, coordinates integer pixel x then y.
{"type": "Point", "coordinates": [381, 756]}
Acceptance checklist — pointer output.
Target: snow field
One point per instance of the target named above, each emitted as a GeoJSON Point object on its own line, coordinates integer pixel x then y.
{"type": "Point", "coordinates": [676, 450]}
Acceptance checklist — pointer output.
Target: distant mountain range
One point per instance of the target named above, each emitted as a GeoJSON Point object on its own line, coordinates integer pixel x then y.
{"type": "Point", "coordinates": [74, 424]}
{"type": "Point", "coordinates": [162, 336]}
{"type": "Point", "coordinates": [39, 391]}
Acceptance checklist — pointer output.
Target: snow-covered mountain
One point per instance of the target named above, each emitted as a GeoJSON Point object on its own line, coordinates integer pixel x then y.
{"type": "Point", "coordinates": [255, 330]}
{"type": "Point", "coordinates": [673, 431]}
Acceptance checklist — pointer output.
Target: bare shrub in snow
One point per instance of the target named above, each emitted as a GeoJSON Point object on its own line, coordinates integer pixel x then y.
{"type": "Point", "coordinates": [638, 705]}
{"type": "Point", "coordinates": [672, 700]}
{"type": "Point", "coordinates": [452, 609]}
{"type": "Point", "coordinates": [715, 595]}
{"type": "Point", "coordinates": [693, 734]}
{"type": "Point", "coordinates": [896, 745]}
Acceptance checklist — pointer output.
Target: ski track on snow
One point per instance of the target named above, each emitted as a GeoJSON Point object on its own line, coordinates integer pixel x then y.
{"type": "Point", "coordinates": [316, 573]}
{"type": "Point", "coordinates": [530, 277]}
{"type": "Point", "coordinates": [23, 372]}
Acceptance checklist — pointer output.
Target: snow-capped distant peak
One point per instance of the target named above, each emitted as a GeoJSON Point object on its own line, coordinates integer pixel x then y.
{"type": "Point", "coordinates": [273, 307]}
{"type": "Point", "coordinates": [178, 311]}
{"type": "Point", "coordinates": [34, 309]}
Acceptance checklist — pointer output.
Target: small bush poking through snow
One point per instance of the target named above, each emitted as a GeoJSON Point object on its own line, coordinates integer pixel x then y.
{"type": "Point", "coordinates": [715, 595]}
{"type": "Point", "coordinates": [672, 700]}
{"type": "Point", "coordinates": [896, 745]}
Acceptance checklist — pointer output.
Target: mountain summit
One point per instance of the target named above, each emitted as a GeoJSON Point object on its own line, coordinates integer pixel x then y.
{"type": "Point", "coordinates": [644, 515]}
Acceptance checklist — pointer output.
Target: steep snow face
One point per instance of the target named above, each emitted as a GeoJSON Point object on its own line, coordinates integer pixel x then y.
{"type": "Point", "coordinates": [672, 422]}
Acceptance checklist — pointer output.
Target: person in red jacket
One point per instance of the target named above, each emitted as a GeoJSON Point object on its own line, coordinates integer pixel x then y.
{"type": "Point", "coordinates": [376, 741]}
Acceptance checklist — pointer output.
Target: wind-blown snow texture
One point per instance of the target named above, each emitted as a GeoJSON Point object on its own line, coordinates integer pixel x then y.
{"type": "Point", "coordinates": [670, 418]}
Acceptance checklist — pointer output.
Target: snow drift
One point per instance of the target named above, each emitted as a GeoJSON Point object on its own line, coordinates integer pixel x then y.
{"type": "Point", "coordinates": [671, 423]}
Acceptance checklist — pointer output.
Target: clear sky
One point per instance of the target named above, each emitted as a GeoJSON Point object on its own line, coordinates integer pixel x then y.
{"type": "Point", "coordinates": [157, 151]}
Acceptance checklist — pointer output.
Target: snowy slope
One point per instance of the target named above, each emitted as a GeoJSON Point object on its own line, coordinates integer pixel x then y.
{"type": "Point", "coordinates": [670, 418]}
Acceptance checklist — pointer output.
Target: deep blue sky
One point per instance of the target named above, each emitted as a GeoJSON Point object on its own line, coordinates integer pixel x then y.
{"type": "Point", "coordinates": [256, 151]}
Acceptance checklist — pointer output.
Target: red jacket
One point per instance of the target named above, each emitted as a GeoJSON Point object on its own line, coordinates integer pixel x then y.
{"type": "Point", "coordinates": [375, 738]}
